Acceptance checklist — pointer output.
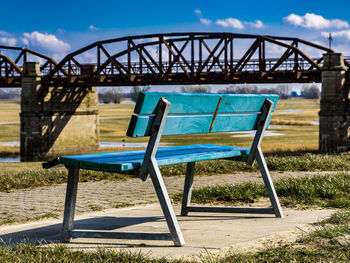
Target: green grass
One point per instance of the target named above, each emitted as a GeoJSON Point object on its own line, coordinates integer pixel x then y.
{"type": "Point", "coordinates": [39, 177]}
{"type": "Point", "coordinates": [29, 253]}
{"type": "Point", "coordinates": [288, 253]}
{"type": "Point", "coordinates": [330, 190]}
{"type": "Point", "coordinates": [337, 218]}
{"type": "Point", "coordinates": [30, 175]}
{"type": "Point", "coordinates": [309, 162]}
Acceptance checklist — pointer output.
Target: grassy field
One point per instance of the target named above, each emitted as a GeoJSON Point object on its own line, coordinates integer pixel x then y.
{"type": "Point", "coordinates": [30, 174]}
{"type": "Point", "coordinates": [288, 152]}
{"type": "Point", "coordinates": [298, 135]}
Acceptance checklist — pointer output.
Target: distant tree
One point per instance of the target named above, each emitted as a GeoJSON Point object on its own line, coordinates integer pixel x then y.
{"type": "Point", "coordinates": [195, 89]}
{"type": "Point", "coordinates": [279, 92]}
{"type": "Point", "coordinates": [111, 95]}
{"type": "Point", "coordinates": [105, 97]}
{"type": "Point", "coordinates": [311, 92]}
{"type": "Point", "coordinates": [117, 94]}
{"type": "Point", "coordinates": [283, 91]}
{"type": "Point", "coordinates": [253, 89]}
{"type": "Point", "coordinates": [10, 94]}
{"type": "Point", "coordinates": [135, 91]}
{"type": "Point", "coordinates": [235, 89]}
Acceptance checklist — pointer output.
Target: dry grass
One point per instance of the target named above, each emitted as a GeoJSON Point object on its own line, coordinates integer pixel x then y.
{"type": "Point", "coordinates": [286, 149]}
{"type": "Point", "coordinates": [9, 111]}
{"type": "Point", "coordinates": [298, 103]}
{"type": "Point", "coordinates": [277, 121]}
{"type": "Point", "coordinates": [299, 133]}
{"type": "Point", "coordinates": [9, 151]}
{"type": "Point", "coordinates": [15, 168]}
{"type": "Point", "coordinates": [116, 110]}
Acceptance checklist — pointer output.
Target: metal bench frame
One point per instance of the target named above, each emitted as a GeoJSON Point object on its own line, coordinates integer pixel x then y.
{"type": "Point", "coordinates": [150, 167]}
{"type": "Point", "coordinates": [255, 153]}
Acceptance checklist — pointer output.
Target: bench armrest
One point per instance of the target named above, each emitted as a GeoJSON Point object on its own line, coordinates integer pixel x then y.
{"type": "Point", "coordinates": [50, 164]}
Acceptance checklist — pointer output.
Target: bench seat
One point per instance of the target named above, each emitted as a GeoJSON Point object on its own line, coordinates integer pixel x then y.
{"type": "Point", "coordinates": [132, 160]}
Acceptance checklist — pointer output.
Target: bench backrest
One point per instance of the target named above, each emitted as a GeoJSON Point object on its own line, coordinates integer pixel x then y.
{"type": "Point", "coordinates": [199, 113]}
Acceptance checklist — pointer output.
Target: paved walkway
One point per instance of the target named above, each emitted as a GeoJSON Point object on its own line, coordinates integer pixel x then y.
{"type": "Point", "coordinates": [203, 232]}
{"type": "Point", "coordinates": [48, 201]}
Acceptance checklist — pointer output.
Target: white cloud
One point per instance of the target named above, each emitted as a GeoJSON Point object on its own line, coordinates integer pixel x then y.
{"type": "Point", "coordinates": [238, 24]}
{"type": "Point", "coordinates": [25, 41]}
{"type": "Point", "coordinates": [230, 22]}
{"type": "Point", "coordinates": [3, 33]}
{"type": "Point", "coordinates": [92, 28]}
{"type": "Point", "coordinates": [61, 31]}
{"type": "Point", "coordinates": [341, 34]}
{"type": "Point", "coordinates": [9, 41]}
{"type": "Point", "coordinates": [255, 24]}
{"type": "Point", "coordinates": [88, 57]}
{"type": "Point", "coordinates": [204, 21]}
{"type": "Point", "coordinates": [45, 40]}
{"type": "Point", "coordinates": [6, 39]}
{"type": "Point", "coordinates": [310, 20]}
{"type": "Point", "coordinates": [342, 48]}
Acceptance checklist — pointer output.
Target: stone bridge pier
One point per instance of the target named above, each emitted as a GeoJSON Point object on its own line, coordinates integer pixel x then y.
{"type": "Point", "coordinates": [56, 120]}
{"type": "Point", "coordinates": [334, 130]}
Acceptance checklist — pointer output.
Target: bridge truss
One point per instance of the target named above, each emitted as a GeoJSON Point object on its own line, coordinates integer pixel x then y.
{"type": "Point", "coordinates": [178, 58]}
{"type": "Point", "coordinates": [11, 70]}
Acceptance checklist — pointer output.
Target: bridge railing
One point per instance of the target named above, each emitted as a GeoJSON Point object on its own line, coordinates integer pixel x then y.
{"type": "Point", "coordinates": [253, 65]}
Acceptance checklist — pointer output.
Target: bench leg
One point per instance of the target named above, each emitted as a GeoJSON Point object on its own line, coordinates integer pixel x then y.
{"type": "Point", "coordinates": [186, 198]}
{"type": "Point", "coordinates": [69, 207]}
{"type": "Point", "coordinates": [165, 203]}
{"type": "Point", "coordinates": [268, 183]}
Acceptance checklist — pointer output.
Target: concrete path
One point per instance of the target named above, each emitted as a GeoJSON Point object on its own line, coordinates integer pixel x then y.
{"type": "Point", "coordinates": [48, 201]}
{"type": "Point", "coordinates": [214, 233]}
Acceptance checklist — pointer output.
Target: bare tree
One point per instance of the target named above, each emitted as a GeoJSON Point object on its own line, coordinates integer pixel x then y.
{"type": "Point", "coordinates": [311, 92]}
{"type": "Point", "coordinates": [195, 89]}
{"type": "Point", "coordinates": [10, 94]}
{"type": "Point", "coordinates": [111, 95]}
{"type": "Point", "coordinates": [283, 91]}
{"type": "Point", "coordinates": [117, 94]}
{"type": "Point", "coordinates": [135, 91]}
{"type": "Point", "coordinates": [236, 89]}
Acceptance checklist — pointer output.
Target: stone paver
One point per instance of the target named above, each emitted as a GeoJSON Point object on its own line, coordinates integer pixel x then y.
{"type": "Point", "coordinates": [94, 196]}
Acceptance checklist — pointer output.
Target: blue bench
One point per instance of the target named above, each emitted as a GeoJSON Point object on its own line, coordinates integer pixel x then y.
{"type": "Point", "coordinates": [158, 114]}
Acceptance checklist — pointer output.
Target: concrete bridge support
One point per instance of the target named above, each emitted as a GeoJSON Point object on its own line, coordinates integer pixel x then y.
{"type": "Point", "coordinates": [56, 120]}
{"type": "Point", "coordinates": [334, 130]}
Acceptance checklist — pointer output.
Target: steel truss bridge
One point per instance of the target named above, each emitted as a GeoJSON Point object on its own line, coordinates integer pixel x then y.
{"type": "Point", "coordinates": [175, 58]}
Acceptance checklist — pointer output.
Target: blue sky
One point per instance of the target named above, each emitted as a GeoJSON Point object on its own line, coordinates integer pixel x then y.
{"type": "Point", "coordinates": [57, 28]}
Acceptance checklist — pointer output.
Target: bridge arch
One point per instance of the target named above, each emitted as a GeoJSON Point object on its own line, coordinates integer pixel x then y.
{"type": "Point", "coordinates": [189, 58]}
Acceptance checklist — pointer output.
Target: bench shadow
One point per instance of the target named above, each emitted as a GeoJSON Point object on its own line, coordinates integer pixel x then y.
{"type": "Point", "coordinates": [221, 217]}
{"type": "Point", "coordinates": [52, 233]}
